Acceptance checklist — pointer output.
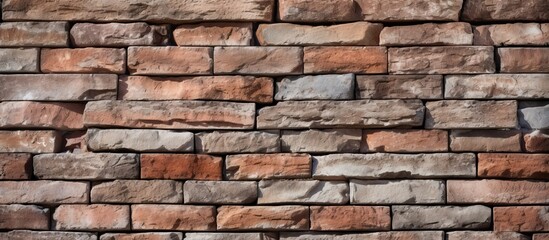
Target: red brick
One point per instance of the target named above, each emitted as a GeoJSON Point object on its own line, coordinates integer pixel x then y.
{"type": "Point", "coordinates": [497, 192]}
{"type": "Point", "coordinates": [24, 217]}
{"type": "Point", "coordinates": [485, 140]}
{"type": "Point", "coordinates": [170, 60]}
{"type": "Point", "coordinates": [345, 60]}
{"type": "Point", "coordinates": [214, 34]}
{"type": "Point", "coordinates": [350, 218]}
{"type": "Point", "coordinates": [83, 60]}
{"type": "Point", "coordinates": [30, 141]}
{"type": "Point", "coordinates": [404, 141]}
{"type": "Point", "coordinates": [537, 141]}
{"type": "Point", "coordinates": [95, 217]}
{"type": "Point", "coordinates": [503, 165]}
{"type": "Point", "coordinates": [268, 166]}
{"type": "Point", "coordinates": [263, 218]}
{"type": "Point", "coordinates": [181, 166]}
{"type": "Point", "coordinates": [173, 217]}
{"type": "Point", "coordinates": [15, 166]}
{"type": "Point", "coordinates": [521, 218]}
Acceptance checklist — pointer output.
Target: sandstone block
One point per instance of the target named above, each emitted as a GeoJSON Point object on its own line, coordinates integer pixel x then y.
{"type": "Point", "coordinates": [503, 165]}
{"type": "Point", "coordinates": [350, 218]}
{"type": "Point", "coordinates": [397, 192]}
{"type": "Point", "coordinates": [237, 142]}
{"type": "Point", "coordinates": [497, 86]}
{"type": "Point", "coordinates": [220, 192]}
{"type": "Point", "coordinates": [472, 114]}
{"type": "Point", "coordinates": [404, 140]}
{"type": "Point", "coordinates": [181, 166]}
{"type": "Point", "coordinates": [321, 141]}
{"type": "Point", "coordinates": [536, 141]}
{"type": "Point", "coordinates": [43, 192]}
{"type": "Point", "coordinates": [512, 34]}
{"type": "Point", "coordinates": [47, 235]}
{"type": "Point", "coordinates": [118, 34]}
{"type": "Point", "coordinates": [430, 34]}
{"type": "Point", "coordinates": [410, 10]}
{"type": "Point", "coordinates": [268, 166]}
{"type": "Point", "coordinates": [263, 218]}
{"type": "Point", "coordinates": [143, 236]}
{"type": "Point", "coordinates": [258, 60]}
{"type": "Point", "coordinates": [26, 114]}
{"type": "Point", "coordinates": [15, 166]}
{"type": "Point", "coordinates": [214, 34]}
{"type": "Point", "coordinates": [173, 217]}
{"type": "Point", "coordinates": [524, 60]}
{"type": "Point", "coordinates": [404, 235]}
{"type": "Point", "coordinates": [339, 59]}
{"type": "Point", "coordinates": [95, 217]}
{"type": "Point", "coordinates": [223, 236]}
{"type": "Point", "coordinates": [497, 192]}
{"type": "Point", "coordinates": [487, 235]}
{"type": "Point", "coordinates": [317, 11]}
{"type": "Point", "coordinates": [485, 141]}
{"type": "Point", "coordinates": [139, 140]}
{"type": "Point", "coordinates": [399, 86]}
{"type": "Point", "coordinates": [170, 60]}
{"type": "Point", "coordinates": [138, 191]}
{"type": "Point", "coordinates": [19, 60]}
{"type": "Point", "coordinates": [34, 34]}
{"type": "Point", "coordinates": [316, 87]}
{"type": "Point", "coordinates": [521, 219]}
{"type": "Point", "coordinates": [533, 115]}
{"type": "Point", "coordinates": [483, 10]}
{"type": "Point", "coordinates": [83, 60]}
{"type": "Point", "coordinates": [17, 216]}
{"type": "Point", "coordinates": [442, 217]}
{"type": "Point", "coordinates": [303, 192]}
{"type": "Point", "coordinates": [30, 141]}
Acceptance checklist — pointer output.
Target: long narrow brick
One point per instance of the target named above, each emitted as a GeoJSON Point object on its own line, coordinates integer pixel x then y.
{"type": "Point", "coordinates": [430, 34]}
{"type": "Point", "coordinates": [303, 192]}
{"type": "Point", "coordinates": [513, 166]}
{"type": "Point", "coordinates": [46, 235]}
{"type": "Point", "coordinates": [524, 60]}
{"type": "Point", "coordinates": [181, 166]}
{"type": "Point", "coordinates": [270, 61]}
{"type": "Point", "coordinates": [19, 60]}
{"type": "Point", "coordinates": [34, 34]}
{"type": "Point", "coordinates": [321, 141]}
{"type": "Point", "coordinates": [350, 218]}
{"type": "Point", "coordinates": [43, 192]}
{"type": "Point", "coordinates": [399, 86]}
{"type": "Point", "coordinates": [237, 142]}
{"type": "Point", "coordinates": [26, 114]}
{"type": "Point", "coordinates": [532, 114]}
{"type": "Point", "coordinates": [83, 60]}
{"type": "Point", "coordinates": [397, 192]}
{"type": "Point", "coordinates": [95, 217]}
{"type": "Point", "coordinates": [214, 34]}
{"type": "Point", "coordinates": [317, 11]}
{"type": "Point", "coordinates": [228, 235]}
{"type": "Point", "coordinates": [137, 191]}
{"type": "Point", "coordinates": [118, 34]}
{"type": "Point", "coordinates": [15, 166]}
{"type": "Point", "coordinates": [410, 10]}
{"type": "Point", "coordinates": [147, 236]}
{"type": "Point", "coordinates": [540, 236]}
{"type": "Point", "coordinates": [486, 235]}
{"type": "Point", "coordinates": [173, 217]}
{"type": "Point", "coordinates": [267, 166]}
{"type": "Point", "coordinates": [316, 87]}
{"type": "Point", "coordinates": [220, 192]}
{"type": "Point", "coordinates": [441, 217]}
{"type": "Point", "coordinates": [405, 140]}
{"type": "Point", "coordinates": [497, 86]}
{"type": "Point", "coordinates": [263, 218]}
{"type": "Point", "coordinates": [497, 192]}
{"type": "Point", "coordinates": [484, 10]}
{"type": "Point", "coordinates": [412, 235]}
{"type": "Point", "coordinates": [30, 141]}
{"type": "Point", "coordinates": [512, 34]}
{"type": "Point", "coordinates": [170, 60]}
{"type": "Point", "coordinates": [139, 140]}
{"type": "Point", "coordinates": [485, 140]}
{"type": "Point", "coordinates": [327, 59]}
{"type": "Point", "coordinates": [536, 141]}
{"type": "Point", "coordinates": [471, 114]}
{"type": "Point", "coordinates": [17, 216]}
{"type": "Point", "coordinates": [521, 219]}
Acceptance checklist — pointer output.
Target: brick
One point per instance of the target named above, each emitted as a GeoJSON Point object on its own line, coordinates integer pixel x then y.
{"type": "Point", "coordinates": [46, 235]}
{"type": "Point", "coordinates": [327, 59]}
{"type": "Point", "coordinates": [303, 192]}
{"type": "Point", "coordinates": [173, 217]}
{"type": "Point", "coordinates": [410, 10]}
{"type": "Point", "coordinates": [512, 34]}
{"type": "Point", "coordinates": [404, 140]}
{"type": "Point", "coordinates": [147, 236]}
{"type": "Point", "coordinates": [321, 141]}
{"type": "Point", "coordinates": [19, 60]}
{"type": "Point", "coordinates": [316, 87]}
{"type": "Point", "coordinates": [459, 235]}
{"type": "Point", "coordinates": [472, 114]}
{"type": "Point", "coordinates": [441, 60]}
{"type": "Point", "coordinates": [430, 34]}
{"type": "Point", "coordinates": [34, 34]}
{"type": "Point", "coordinates": [237, 142]}
{"type": "Point", "coordinates": [83, 60]}
{"type": "Point", "coordinates": [441, 217]}
{"type": "Point", "coordinates": [503, 165]}
{"type": "Point", "coordinates": [317, 11]}
{"type": "Point", "coordinates": [95, 217]}
{"type": "Point", "coordinates": [230, 88]}
{"type": "Point", "coordinates": [43, 192]}
{"type": "Point", "coordinates": [170, 114]}
{"type": "Point", "coordinates": [521, 219]}
{"type": "Point", "coordinates": [181, 166]}
{"type": "Point", "coordinates": [357, 33]}
{"type": "Point", "coordinates": [26, 114]}
{"type": "Point", "coordinates": [265, 218]}
{"type": "Point", "coordinates": [536, 141]}
{"type": "Point", "coordinates": [268, 166]}
{"type": "Point", "coordinates": [541, 236]}
{"type": "Point", "coordinates": [532, 115]}
{"type": "Point", "coordinates": [350, 218]}
{"type": "Point", "coordinates": [118, 34]}
{"type": "Point", "coordinates": [170, 60]}
{"type": "Point", "coordinates": [404, 235]}
{"type": "Point", "coordinates": [30, 141]}
{"type": "Point", "coordinates": [169, 11]}
{"type": "Point", "coordinates": [15, 166]}
{"type": "Point", "coordinates": [399, 86]}
{"type": "Point", "coordinates": [341, 114]}
{"type": "Point", "coordinates": [392, 166]}
{"type": "Point", "coordinates": [270, 61]}
{"type": "Point", "coordinates": [24, 217]}
{"type": "Point", "coordinates": [223, 236]}
{"type": "Point", "coordinates": [214, 34]}
{"type": "Point", "coordinates": [523, 60]}
{"type": "Point", "coordinates": [483, 10]}
{"type": "Point", "coordinates": [397, 192]}
{"type": "Point", "coordinates": [220, 192]}
{"type": "Point", "coordinates": [497, 86]}
{"type": "Point", "coordinates": [485, 141]}
{"type": "Point", "coordinates": [139, 140]}
{"type": "Point", "coordinates": [86, 166]}
{"type": "Point", "coordinates": [138, 191]}
{"type": "Point", "coordinates": [497, 192]}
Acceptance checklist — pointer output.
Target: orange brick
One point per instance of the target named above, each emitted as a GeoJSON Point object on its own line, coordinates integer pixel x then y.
{"type": "Point", "coordinates": [83, 60]}
{"type": "Point", "coordinates": [345, 60]}
{"type": "Point", "coordinates": [350, 218]}
{"type": "Point", "coordinates": [521, 219]}
{"type": "Point", "coordinates": [181, 166]}
{"type": "Point", "coordinates": [503, 165]}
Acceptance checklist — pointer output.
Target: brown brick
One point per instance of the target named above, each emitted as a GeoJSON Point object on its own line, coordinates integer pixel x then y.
{"type": "Point", "coordinates": [229, 235]}
{"type": "Point", "coordinates": [19, 60]}
{"type": "Point", "coordinates": [485, 140]}
{"type": "Point", "coordinates": [173, 217]}
{"type": "Point", "coordinates": [409, 10]}
{"type": "Point", "coordinates": [17, 216]}
{"type": "Point", "coordinates": [181, 166]}
{"type": "Point", "coordinates": [143, 236]}
{"type": "Point", "coordinates": [541, 236]}
{"type": "Point", "coordinates": [303, 192]}
{"type": "Point", "coordinates": [30, 141]}
{"type": "Point", "coordinates": [483, 10]}
{"type": "Point", "coordinates": [118, 34]}
{"type": "Point", "coordinates": [214, 34]}
{"type": "Point", "coordinates": [472, 114]}
{"type": "Point", "coordinates": [83, 60]}
{"type": "Point", "coordinates": [521, 218]}
{"type": "Point", "coordinates": [95, 217]}
{"type": "Point", "coordinates": [405, 140]}
{"type": "Point", "coordinates": [399, 86]}
{"type": "Point", "coordinates": [393, 235]}
{"type": "Point", "coordinates": [268, 166]}
{"type": "Point", "coordinates": [170, 60]}
{"type": "Point", "coordinates": [407, 217]}
{"type": "Point", "coordinates": [503, 165]}
{"type": "Point", "coordinates": [317, 11]}
{"type": "Point", "coordinates": [350, 218]}
{"type": "Point", "coordinates": [485, 235]}
{"type": "Point", "coordinates": [15, 166]}
{"type": "Point", "coordinates": [258, 60]}
{"type": "Point", "coordinates": [47, 235]}
{"type": "Point", "coordinates": [137, 191]}
{"type": "Point", "coordinates": [268, 218]}
{"type": "Point", "coordinates": [536, 141]}
{"type": "Point", "coordinates": [512, 34]}
{"type": "Point", "coordinates": [220, 142]}
{"type": "Point", "coordinates": [26, 114]}
{"type": "Point", "coordinates": [43, 192]}
{"type": "Point", "coordinates": [455, 33]}
{"type": "Point", "coordinates": [34, 34]}
{"type": "Point", "coordinates": [524, 60]}
{"type": "Point", "coordinates": [497, 86]}
{"type": "Point", "coordinates": [321, 141]}
{"type": "Point", "coordinates": [497, 192]}
{"type": "Point", "coordinates": [345, 60]}
{"type": "Point", "coordinates": [220, 192]}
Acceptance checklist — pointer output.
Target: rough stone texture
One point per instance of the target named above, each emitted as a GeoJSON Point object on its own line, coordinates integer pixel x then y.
{"type": "Point", "coordinates": [383, 165]}
{"type": "Point", "coordinates": [350, 218]}
{"type": "Point", "coordinates": [484, 10]}
{"type": "Point", "coordinates": [393, 235]}
{"type": "Point", "coordinates": [170, 114]}
{"type": "Point", "coordinates": [169, 11]}
{"type": "Point", "coordinates": [83, 60]}
{"type": "Point", "coordinates": [237, 142]}
{"type": "Point", "coordinates": [512, 34]}
{"type": "Point", "coordinates": [328, 59]}
{"type": "Point", "coordinates": [86, 166]}
{"type": "Point", "coordinates": [143, 236]}
{"type": "Point", "coordinates": [264, 218]}
{"type": "Point", "coordinates": [441, 217]}
{"type": "Point", "coordinates": [19, 60]}
{"type": "Point", "coordinates": [316, 87]}
{"type": "Point", "coordinates": [47, 235]}
{"type": "Point", "coordinates": [214, 34]}
{"type": "Point", "coordinates": [541, 236]}
{"type": "Point", "coordinates": [442, 60]}
{"type": "Point", "coordinates": [181, 166]}
{"type": "Point", "coordinates": [30, 141]}
{"type": "Point", "coordinates": [24, 217]}
{"type": "Point", "coordinates": [399, 86]}
{"type": "Point", "coordinates": [118, 34]}
{"type": "Point", "coordinates": [521, 218]}
{"type": "Point", "coordinates": [15, 166]}
{"type": "Point", "coordinates": [349, 114]}
{"type": "Point", "coordinates": [472, 114]}
{"type": "Point", "coordinates": [26, 114]}
{"type": "Point", "coordinates": [533, 115]}
{"type": "Point", "coordinates": [220, 192]}
{"type": "Point", "coordinates": [404, 140]}
{"type": "Point", "coordinates": [258, 60]}
{"type": "Point", "coordinates": [317, 11]}
{"type": "Point", "coordinates": [138, 191]}
{"type": "Point", "coordinates": [497, 192]}
{"type": "Point", "coordinates": [173, 217]}
{"type": "Point", "coordinates": [321, 141]}
{"type": "Point", "coordinates": [231, 88]}
{"type": "Point", "coordinates": [536, 141]}
{"type": "Point", "coordinates": [497, 86]}
{"type": "Point", "coordinates": [500, 165]}
{"type": "Point", "coordinates": [268, 166]}
{"type": "Point", "coordinates": [235, 236]}
{"type": "Point", "coordinates": [410, 10]}
{"type": "Point", "coordinates": [95, 217]}
{"type": "Point", "coordinates": [397, 192]}
{"type": "Point", "coordinates": [524, 60]}
{"type": "Point", "coordinates": [457, 33]}
{"type": "Point", "coordinates": [303, 192]}
{"type": "Point", "coordinates": [170, 60]}
{"type": "Point", "coordinates": [486, 235]}
{"type": "Point", "coordinates": [139, 140]}
{"type": "Point", "coordinates": [43, 192]}
{"type": "Point", "coordinates": [485, 140]}
{"type": "Point", "coordinates": [34, 34]}
{"type": "Point", "coordinates": [357, 33]}
{"type": "Point", "coordinates": [46, 87]}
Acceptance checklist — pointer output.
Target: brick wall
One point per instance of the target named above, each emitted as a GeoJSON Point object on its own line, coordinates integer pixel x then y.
{"type": "Point", "coordinates": [266, 120]}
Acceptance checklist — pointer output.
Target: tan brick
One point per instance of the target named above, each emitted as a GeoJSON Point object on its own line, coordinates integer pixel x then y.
{"type": "Point", "coordinates": [19, 60]}
{"type": "Point", "coordinates": [118, 34]}
{"type": "Point", "coordinates": [350, 218]}
{"type": "Point", "coordinates": [34, 34]}
{"type": "Point", "coordinates": [512, 34]}
{"type": "Point", "coordinates": [181, 166]}
{"type": "Point", "coordinates": [321, 141]}
{"type": "Point", "coordinates": [486, 235]}
{"type": "Point", "coordinates": [137, 191]}
{"type": "Point", "coordinates": [263, 218]}
{"type": "Point", "coordinates": [95, 217]}
{"type": "Point", "coordinates": [409, 10]}
{"type": "Point", "coordinates": [26, 114]}
{"type": "Point", "coordinates": [400, 235]}
{"type": "Point", "coordinates": [268, 166]}
{"type": "Point", "coordinates": [399, 86]}
{"type": "Point", "coordinates": [15, 166]}
{"type": "Point", "coordinates": [170, 60]}
{"type": "Point", "coordinates": [472, 114]}
{"type": "Point", "coordinates": [441, 217]}
{"type": "Point", "coordinates": [46, 235]}
{"type": "Point", "coordinates": [523, 60]}
{"type": "Point", "coordinates": [405, 140]}
{"type": "Point", "coordinates": [220, 192]}
{"type": "Point", "coordinates": [173, 217]}
{"type": "Point", "coordinates": [485, 140]}
{"type": "Point", "coordinates": [143, 236]}
{"type": "Point", "coordinates": [17, 216]}
{"type": "Point", "coordinates": [214, 34]}
{"type": "Point", "coordinates": [456, 33]}
{"type": "Point", "coordinates": [482, 10]}
{"type": "Point", "coordinates": [258, 60]}
{"type": "Point", "coordinates": [345, 60]}
{"type": "Point", "coordinates": [30, 141]}
{"type": "Point", "coordinates": [317, 11]}
{"type": "Point", "coordinates": [43, 192]}
{"type": "Point", "coordinates": [219, 142]}
{"type": "Point", "coordinates": [316, 87]}
{"type": "Point", "coordinates": [497, 192]}
{"type": "Point", "coordinates": [228, 235]}
{"type": "Point", "coordinates": [497, 86]}
{"type": "Point", "coordinates": [521, 219]}
{"type": "Point", "coordinates": [513, 166]}
{"type": "Point", "coordinates": [536, 141]}
{"type": "Point", "coordinates": [139, 140]}
{"type": "Point", "coordinates": [303, 192]}
{"type": "Point", "coordinates": [397, 192]}
{"type": "Point", "coordinates": [83, 60]}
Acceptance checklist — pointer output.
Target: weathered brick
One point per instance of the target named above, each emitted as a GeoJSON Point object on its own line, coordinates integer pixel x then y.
{"type": "Point", "coordinates": [223, 236]}
{"type": "Point", "coordinates": [118, 34]}
{"type": "Point", "coordinates": [485, 141]}
{"type": "Point", "coordinates": [316, 87]}
{"type": "Point", "coordinates": [83, 60]}
{"type": "Point", "coordinates": [214, 34]}
{"type": "Point", "coordinates": [181, 166]}
{"type": "Point", "coordinates": [26, 114]}
{"type": "Point", "coordinates": [536, 141]}
{"type": "Point", "coordinates": [486, 235]}
{"type": "Point", "coordinates": [350, 218]}
{"type": "Point", "coordinates": [138, 191]}
{"type": "Point", "coordinates": [513, 166]}
{"type": "Point", "coordinates": [383, 165]}
{"type": "Point", "coordinates": [399, 86]}
{"type": "Point", "coordinates": [484, 10]}
{"type": "Point", "coordinates": [237, 142]}
{"type": "Point", "coordinates": [170, 60]}
{"type": "Point", "coordinates": [397, 192]}
{"type": "Point", "coordinates": [321, 141]}
{"type": "Point", "coordinates": [472, 114]}
{"type": "Point", "coordinates": [523, 60]}
{"type": "Point", "coordinates": [15, 166]}
{"type": "Point", "coordinates": [497, 192]}
{"type": "Point", "coordinates": [17, 216]}
{"type": "Point", "coordinates": [533, 115]}
{"type": "Point", "coordinates": [410, 10]}
{"type": "Point", "coordinates": [30, 141]}
{"type": "Point", "coordinates": [404, 140]}
{"type": "Point", "coordinates": [143, 236]}
{"type": "Point", "coordinates": [441, 60]}
{"type": "Point", "coordinates": [303, 192]}
{"type": "Point", "coordinates": [86, 166]}
{"type": "Point", "coordinates": [258, 60]}
{"type": "Point", "coordinates": [327, 59]}
{"type": "Point", "coordinates": [521, 219]}
{"type": "Point", "coordinates": [34, 34]}
{"type": "Point", "coordinates": [173, 217]}
{"type": "Point", "coordinates": [139, 140]}
{"type": "Point", "coordinates": [46, 235]}
{"type": "Point", "coordinates": [268, 166]}
{"type": "Point", "coordinates": [430, 34]}
{"type": "Point", "coordinates": [349, 114]}
{"type": "Point", "coordinates": [95, 217]}
{"type": "Point", "coordinates": [170, 114]}
{"type": "Point", "coordinates": [220, 192]}
{"type": "Point", "coordinates": [19, 60]}
{"type": "Point", "coordinates": [441, 217]}
{"type": "Point", "coordinates": [231, 88]}
{"type": "Point", "coordinates": [317, 11]}
{"type": "Point", "coordinates": [265, 218]}
{"type": "Point", "coordinates": [512, 34]}
{"type": "Point", "coordinates": [497, 86]}
{"type": "Point", "coordinates": [541, 236]}
{"type": "Point", "coordinates": [401, 235]}
{"type": "Point", "coordinates": [43, 192]}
